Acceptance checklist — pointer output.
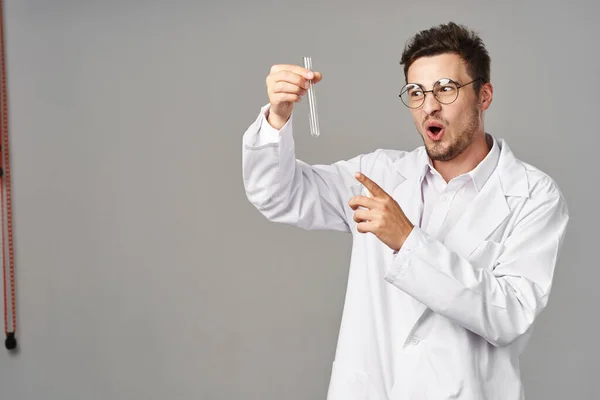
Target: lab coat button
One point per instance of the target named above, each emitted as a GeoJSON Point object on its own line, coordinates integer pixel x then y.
{"type": "Point", "coordinates": [413, 341]}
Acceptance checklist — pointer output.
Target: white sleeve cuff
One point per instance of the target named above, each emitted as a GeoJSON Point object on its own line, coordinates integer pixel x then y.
{"type": "Point", "coordinates": [401, 258]}
{"type": "Point", "coordinates": [267, 134]}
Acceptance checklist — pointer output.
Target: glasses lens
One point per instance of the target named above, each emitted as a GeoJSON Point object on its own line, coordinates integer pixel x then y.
{"type": "Point", "coordinates": [412, 95]}
{"type": "Point", "coordinates": [445, 90]}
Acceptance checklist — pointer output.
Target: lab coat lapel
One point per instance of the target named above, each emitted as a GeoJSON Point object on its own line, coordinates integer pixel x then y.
{"type": "Point", "coordinates": [408, 192]}
{"type": "Point", "coordinates": [409, 196]}
{"type": "Point", "coordinates": [490, 207]}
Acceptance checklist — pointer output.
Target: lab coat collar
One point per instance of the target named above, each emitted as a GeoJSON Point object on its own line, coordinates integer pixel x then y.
{"type": "Point", "coordinates": [510, 170]}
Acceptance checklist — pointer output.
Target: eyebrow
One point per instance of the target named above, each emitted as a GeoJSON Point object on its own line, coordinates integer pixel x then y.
{"type": "Point", "coordinates": [423, 87]}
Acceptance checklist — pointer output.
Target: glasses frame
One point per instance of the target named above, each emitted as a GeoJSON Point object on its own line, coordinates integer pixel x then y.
{"type": "Point", "coordinates": [458, 87]}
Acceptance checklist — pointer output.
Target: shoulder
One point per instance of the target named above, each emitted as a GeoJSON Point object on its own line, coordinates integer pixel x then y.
{"type": "Point", "coordinates": [531, 181]}
{"type": "Point", "coordinates": [540, 183]}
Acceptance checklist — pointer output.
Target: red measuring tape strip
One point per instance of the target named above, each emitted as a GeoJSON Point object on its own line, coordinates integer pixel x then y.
{"type": "Point", "coordinates": [6, 201]}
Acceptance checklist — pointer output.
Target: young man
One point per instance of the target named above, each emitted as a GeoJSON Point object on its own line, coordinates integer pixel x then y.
{"type": "Point", "coordinates": [454, 243]}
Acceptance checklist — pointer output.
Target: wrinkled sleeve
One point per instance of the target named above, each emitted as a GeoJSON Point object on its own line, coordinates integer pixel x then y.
{"type": "Point", "coordinates": [287, 190]}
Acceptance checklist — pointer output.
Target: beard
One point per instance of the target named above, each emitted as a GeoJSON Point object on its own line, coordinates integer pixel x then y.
{"type": "Point", "coordinates": [439, 151]}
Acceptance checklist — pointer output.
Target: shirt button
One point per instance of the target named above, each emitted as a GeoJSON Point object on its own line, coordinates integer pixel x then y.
{"type": "Point", "coordinates": [444, 198]}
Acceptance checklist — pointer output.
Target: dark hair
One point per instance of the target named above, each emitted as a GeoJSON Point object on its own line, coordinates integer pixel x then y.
{"type": "Point", "coordinates": [450, 38]}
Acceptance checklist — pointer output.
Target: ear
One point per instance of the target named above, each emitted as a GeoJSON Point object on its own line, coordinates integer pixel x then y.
{"type": "Point", "coordinates": [486, 94]}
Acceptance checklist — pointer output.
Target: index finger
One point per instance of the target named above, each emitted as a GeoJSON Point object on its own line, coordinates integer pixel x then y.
{"type": "Point", "coordinates": [307, 74]}
{"type": "Point", "coordinates": [371, 186]}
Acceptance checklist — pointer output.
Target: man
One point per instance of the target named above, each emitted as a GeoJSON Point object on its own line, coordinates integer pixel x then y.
{"type": "Point", "coordinates": [454, 243]}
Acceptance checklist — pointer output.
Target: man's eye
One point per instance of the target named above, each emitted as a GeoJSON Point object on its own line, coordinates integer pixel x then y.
{"type": "Point", "coordinates": [416, 93]}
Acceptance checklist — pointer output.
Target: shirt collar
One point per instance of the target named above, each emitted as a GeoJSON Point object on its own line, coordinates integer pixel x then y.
{"type": "Point", "coordinates": [484, 169]}
{"type": "Point", "coordinates": [479, 174]}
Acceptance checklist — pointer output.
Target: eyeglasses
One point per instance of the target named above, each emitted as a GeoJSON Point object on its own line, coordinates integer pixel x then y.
{"type": "Point", "coordinates": [445, 91]}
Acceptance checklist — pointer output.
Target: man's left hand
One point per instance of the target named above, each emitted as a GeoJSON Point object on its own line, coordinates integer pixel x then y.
{"type": "Point", "coordinates": [382, 215]}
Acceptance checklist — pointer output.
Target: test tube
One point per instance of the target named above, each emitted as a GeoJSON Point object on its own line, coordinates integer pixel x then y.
{"type": "Point", "coordinates": [312, 102]}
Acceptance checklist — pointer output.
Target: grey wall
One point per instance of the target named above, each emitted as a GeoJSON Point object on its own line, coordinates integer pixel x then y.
{"type": "Point", "coordinates": [143, 272]}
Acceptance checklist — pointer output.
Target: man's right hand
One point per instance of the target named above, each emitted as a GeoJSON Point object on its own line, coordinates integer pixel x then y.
{"type": "Point", "coordinates": [286, 84]}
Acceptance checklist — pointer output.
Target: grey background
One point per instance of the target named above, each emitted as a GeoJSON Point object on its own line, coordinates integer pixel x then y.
{"type": "Point", "coordinates": [142, 270]}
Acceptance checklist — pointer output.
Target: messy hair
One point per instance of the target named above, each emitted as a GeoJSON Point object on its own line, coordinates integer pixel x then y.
{"type": "Point", "coordinates": [450, 38]}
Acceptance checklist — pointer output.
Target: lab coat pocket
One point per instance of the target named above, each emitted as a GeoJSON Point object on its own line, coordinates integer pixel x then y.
{"type": "Point", "coordinates": [486, 255]}
{"type": "Point", "coordinates": [348, 383]}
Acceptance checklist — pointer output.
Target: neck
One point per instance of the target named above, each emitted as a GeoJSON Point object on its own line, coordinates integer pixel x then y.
{"type": "Point", "coordinates": [465, 161]}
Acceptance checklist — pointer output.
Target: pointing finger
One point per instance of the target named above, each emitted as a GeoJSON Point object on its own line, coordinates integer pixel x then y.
{"type": "Point", "coordinates": [371, 186]}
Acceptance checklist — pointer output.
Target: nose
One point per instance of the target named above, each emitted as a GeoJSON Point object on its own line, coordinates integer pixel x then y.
{"type": "Point", "coordinates": [431, 105]}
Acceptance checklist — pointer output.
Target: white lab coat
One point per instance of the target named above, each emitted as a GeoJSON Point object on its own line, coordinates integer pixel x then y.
{"type": "Point", "coordinates": [441, 320]}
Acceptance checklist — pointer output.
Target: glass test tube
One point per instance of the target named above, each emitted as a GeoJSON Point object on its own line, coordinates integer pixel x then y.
{"type": "Point", "coordinates": [312, 102]}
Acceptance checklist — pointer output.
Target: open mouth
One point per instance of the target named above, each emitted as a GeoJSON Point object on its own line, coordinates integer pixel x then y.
{"type": "Point", "coordinates": [434, 130]}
